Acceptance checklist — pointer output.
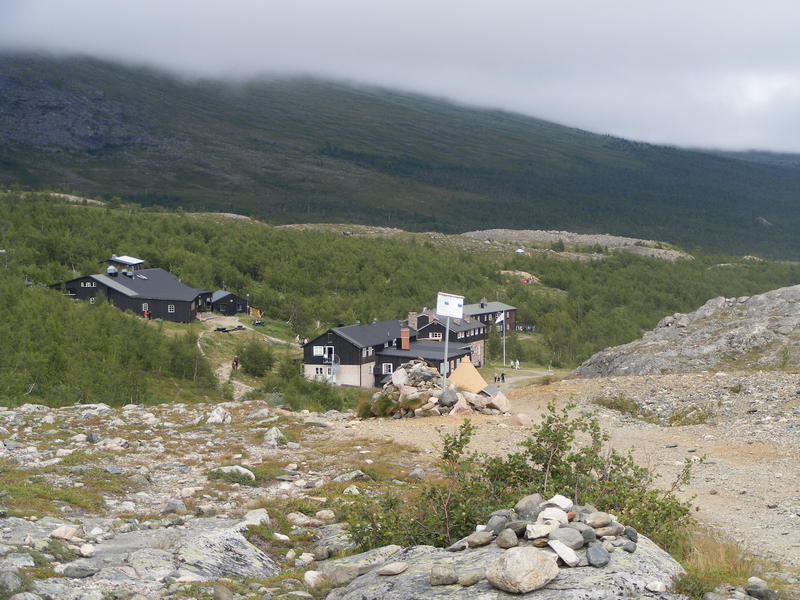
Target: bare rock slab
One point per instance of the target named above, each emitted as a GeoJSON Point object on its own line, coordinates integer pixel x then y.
{"type": "Point", "coordinates": [224, 553]}
{"type": "Point", "coordinates": [625, 576]}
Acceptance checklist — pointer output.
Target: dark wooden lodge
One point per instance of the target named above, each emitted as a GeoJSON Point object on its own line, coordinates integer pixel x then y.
{"type": "Point", "coordinates": [153, 292]}
{"type": "Point", "coordinates": [228, 303]}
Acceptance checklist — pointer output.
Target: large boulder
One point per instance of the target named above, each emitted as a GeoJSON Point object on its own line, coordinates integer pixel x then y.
{"type": "Point", "coordinates": [521, 570]}
{"type": "Point", "coordinates": [500, 402]}
{"type": "Point", "coordinates": [223, 553]}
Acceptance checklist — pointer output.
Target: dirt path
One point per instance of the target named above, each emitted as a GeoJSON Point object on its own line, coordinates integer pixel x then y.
{"type": "Point", "coordinates": [748, 488]}
{"type": "Point", "coordinates": [223, 372]}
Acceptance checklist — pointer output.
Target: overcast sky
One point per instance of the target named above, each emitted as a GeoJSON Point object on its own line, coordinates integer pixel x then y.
{"type": "Point", "coordinates": [711, 73]}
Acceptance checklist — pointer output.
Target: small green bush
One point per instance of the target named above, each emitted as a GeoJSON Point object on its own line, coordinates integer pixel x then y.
{"type": "Point", "coordinates": [693, 415]}
{"type": "Point", "coordinates": [300, 393]}
{"type": "Point", "coordinates": [620, 403]}
{"type": "Point", "coordinates": [551, 461]}
{"type": "Point", "coordinates": [256, 358]}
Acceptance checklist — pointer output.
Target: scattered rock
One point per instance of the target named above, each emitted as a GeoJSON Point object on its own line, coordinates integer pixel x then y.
{"type": "Point", "coordinates": [274, 437]}
{"type": "Point", "coordinates": [507, 539]}
{"type": "Point", "coordinates": [222, 593]}
{"type": "Point", "coordinates": [237, 470]}
{"type": "Point", "coordinates": [80, 569]}
{"type": "Point", "coordinates": [597, 556]}
{"type": "Point", "coordinates": [568, 536]}
{"type": "Point", "coordinates": [315, 579]}
{"type": "Point", "coordinates": [392, 568]}
{"type": "Point", "coordinates": [219, 416]}
{"type": "Point", "coordinates": [443, 575]}
{"type": "Point", "coordinates": [564, 552]}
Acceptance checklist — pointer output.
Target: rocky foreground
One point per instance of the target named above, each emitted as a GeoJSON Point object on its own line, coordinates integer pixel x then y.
{"type": "Point", "coordinates": [747, 332]}
{"type": "Point", "coordinates": [240, 501]}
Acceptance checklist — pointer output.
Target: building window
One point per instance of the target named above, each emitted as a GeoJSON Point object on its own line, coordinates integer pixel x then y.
{"type": "Point", "coordinates": [319, 351]}
{"type": "Point", "coordinates": [436, 335]}
{"type": "Point", "coordinates": [91, 300]}
{"type": "Point", "coordinates": [387, 368]}
{"type": "Point", "coordinates": [330, 370]}
{"type": "Point", "coordinates": [363, 353]}
{"type": "Point", "coordinates": [145, 306]}
{"type": "Point", "coordinates": [318, 371]}
{"type": "Point", "coordinates": [170, 308]}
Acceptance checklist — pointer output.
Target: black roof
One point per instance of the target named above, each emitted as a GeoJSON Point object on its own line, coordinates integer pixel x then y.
{"type": "Point", "coordinates": [488, 307]}
{"type": "Point", "coordinates": [426, 350]}
{"type": "Point", "coordinates": [455, 324]}
{"type": "Point", "coordinates": [220, 294]}
{"type": "Point", "coordinates": [155, 284]}
{"type": "Point", "coordinates": [372, 334]}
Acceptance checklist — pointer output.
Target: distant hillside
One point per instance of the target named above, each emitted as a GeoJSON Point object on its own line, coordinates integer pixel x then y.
{"type": "Point", "coordinates": [780, 159]}
{"type": "Point", "coordinates": [300, 150]}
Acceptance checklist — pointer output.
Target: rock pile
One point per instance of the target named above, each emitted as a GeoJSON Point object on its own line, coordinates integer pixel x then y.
{"type": "Point", "coordinates": [559, 525]}
{"type": "Point", "coordinates": [415, 390]}
{"type": "Point", "coordinates": [550, 549]}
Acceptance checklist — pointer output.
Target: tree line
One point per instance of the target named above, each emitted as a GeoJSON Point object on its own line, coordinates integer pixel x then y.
{"type": "Point", "coordinates": [313, 279]}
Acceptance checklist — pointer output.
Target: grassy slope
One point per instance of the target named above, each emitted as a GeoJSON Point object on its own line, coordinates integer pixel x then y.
{"type": "Point", "coordinates": [308, 150]}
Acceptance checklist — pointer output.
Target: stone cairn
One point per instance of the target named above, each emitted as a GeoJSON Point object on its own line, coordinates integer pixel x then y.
{"type": "Point", "coordinates": [415, 390]}
{"type": "Point", "coordinates": [556, 524]}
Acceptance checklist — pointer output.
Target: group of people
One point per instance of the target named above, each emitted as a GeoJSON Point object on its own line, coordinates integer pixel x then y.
{"type": "Point", "coordinates": [501, 377]}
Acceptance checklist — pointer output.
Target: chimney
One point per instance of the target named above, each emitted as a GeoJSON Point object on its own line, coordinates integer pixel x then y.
{"type": "Point", "coordinates": [404, 338]}
{"type": "Point", "coordinates": [412, 319]}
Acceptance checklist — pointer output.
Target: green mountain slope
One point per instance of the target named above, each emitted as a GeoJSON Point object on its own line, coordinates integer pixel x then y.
{"type": "Point", "coordinates": [308, 150]}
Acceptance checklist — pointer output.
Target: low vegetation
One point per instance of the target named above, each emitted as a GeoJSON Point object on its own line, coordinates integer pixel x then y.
{"type": "Point", "coordinates": [57, 352]}
{"type": "Point", "coordinates": [314, 279]}
{"type": "Point", "coordinates": [619, 403]}
{"type": "Point", "coordinates": [287, 386]}
{"type": "Point", "coordinates": [551, 461]}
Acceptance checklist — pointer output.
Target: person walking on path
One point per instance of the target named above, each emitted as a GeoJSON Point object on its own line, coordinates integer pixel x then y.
{"type": "Point", "coordinates": [502, 376]}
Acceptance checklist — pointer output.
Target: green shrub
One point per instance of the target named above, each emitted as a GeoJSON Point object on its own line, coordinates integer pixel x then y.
{"type": "Point", "coordinates": [693, 415]}
{"type": "Point", "coordinates": [620, 403]}
{"type": "Point", "coordinates": [256, 358]}
{"type": "Point", "coordinates": [384, 406]}
{"type": "Point", "coordinates": [300, 393]}
{"type": "Point", "coordinates": [551, 461]}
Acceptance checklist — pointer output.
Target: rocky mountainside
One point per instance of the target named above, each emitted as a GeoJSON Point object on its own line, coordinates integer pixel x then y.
{"type": "Point", "coordinates": [292, 150]}
{"type": "Point", "coordinates": [747, 332]}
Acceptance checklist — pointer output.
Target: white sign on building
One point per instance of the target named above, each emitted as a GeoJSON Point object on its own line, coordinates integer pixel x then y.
{"type": "Point", "coordinates": [449, 305]}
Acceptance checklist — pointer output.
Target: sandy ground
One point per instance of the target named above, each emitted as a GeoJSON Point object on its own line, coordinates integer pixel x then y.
{"type": "Point", "coordinates": [748, 490]}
